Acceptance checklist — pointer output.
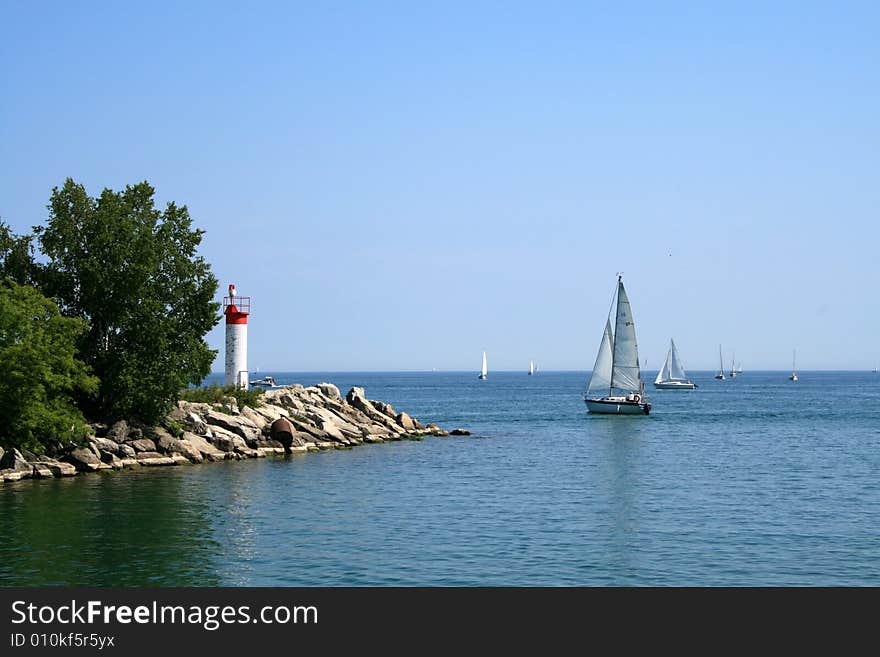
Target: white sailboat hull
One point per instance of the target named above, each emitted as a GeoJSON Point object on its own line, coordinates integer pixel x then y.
{"type": "Point", "coordinates": [617, 406]}
{"type": "Point", "coordinates": [675, 385]}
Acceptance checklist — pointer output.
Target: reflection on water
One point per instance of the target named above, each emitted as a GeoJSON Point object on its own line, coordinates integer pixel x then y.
{"type": "Point", "coordinates": [138, 528]}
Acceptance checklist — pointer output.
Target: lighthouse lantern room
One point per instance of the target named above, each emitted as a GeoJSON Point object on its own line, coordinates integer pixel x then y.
{"type": "Point", "coordinates": [236, 309]}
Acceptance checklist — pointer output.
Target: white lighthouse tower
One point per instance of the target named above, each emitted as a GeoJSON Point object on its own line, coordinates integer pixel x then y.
{"type": "Point", "coordinates": [236, 309]}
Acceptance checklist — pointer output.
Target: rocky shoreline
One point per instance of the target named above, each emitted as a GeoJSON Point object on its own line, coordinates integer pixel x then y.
{"type": "Point", "coordinates": [292, 419]}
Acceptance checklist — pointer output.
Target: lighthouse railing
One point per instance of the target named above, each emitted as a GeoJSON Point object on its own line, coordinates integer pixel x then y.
{"type": "Point", "coordinates": [242, 304]}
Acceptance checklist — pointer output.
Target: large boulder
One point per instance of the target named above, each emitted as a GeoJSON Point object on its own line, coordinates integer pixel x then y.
{"type": "Point", "coordinates": [330, 390]}
{"type": "Point", "coordinates": [271, 412]}
{"type": "Point", "coordinates": [405, 421]}
{"type": "Point", "coordinates": [119, 432]}
{"type": "Point", "coordinates": [185, 449]}
{"type": "Point", "coordinates": [258, 420]}
{"type": "Point", "coordinates": [84, 460]}
{"type": "Point", "coordinates": [206, 450]}
{"type": "Point", "coordinates": [384, 408]}
{"type": "Point", "coordinates": [143, 445]}
{"type": "Point", "coordinates": [239, 425]}
{"type": "Point", "coordinates": [126, 452]}
{"type": "Point", "coordinates": [106, 444]}
{"type": "Point", "coordinates": [15, 461]}
{"type": "Point", "coordinates": [162, 439]}
{"type": "Point", "coordinates": [226, 441]}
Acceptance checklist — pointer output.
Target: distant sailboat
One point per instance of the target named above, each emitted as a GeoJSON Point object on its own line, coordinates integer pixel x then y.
{"type": "Point", "coordinates": [733, 371]}
{"type": "Point", "coordinates": [720, 374]}
{"type": "Point", "coordinates": [793, 376]}
{"type": "Point", "coordinates": [531, 367]}
{"type": "Point", "coordinates": [615, 385]}
{"type": "Point", "coordinates": [672, 375]}
{"type": "Point", "coordinates": [484, 370]}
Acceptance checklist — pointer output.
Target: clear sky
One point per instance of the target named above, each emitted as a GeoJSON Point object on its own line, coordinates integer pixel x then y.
{"type": "Point", "coordinates": [402, 185]}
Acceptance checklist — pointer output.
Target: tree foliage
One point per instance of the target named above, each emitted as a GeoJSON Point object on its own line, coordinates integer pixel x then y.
{"type": "Point", "coordinates": [133, 273]}
{"type": "Point", "coordinates": [17, 257]}
{"type": "Point", "coordinates": [41, 376]}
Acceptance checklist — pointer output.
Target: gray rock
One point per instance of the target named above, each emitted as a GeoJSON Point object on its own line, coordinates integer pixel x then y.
{"type": "Point", "coordinates": [258, 420]}
{"type": "Point", "coordinates": [162, 439]}
{"type": "Point", "coordinates": [459, 432]}
{"type": "Point", "coordinates": [14, 460]}
{"type": "Point", "coordinates": [205, 449]}
{"type": "Point", "coordinates": [238, 425]}
{"type": "Point", "coordinates": [41, 471]}
{"type": "Point", "coordinates": [2, 452]}
{"type": "Point", "coordinates": [146, 456]}
{"type": "Point", "coordinates": [226, 441]}
{"type": "Point", "coordinates": [329, 390]}
{"type": "Point", "coordinates": [95, 450]}
{"type": "Point", "coordinates": [84, 460]}
{"type": "Point", "coordinates": [126, 452]}
{"type": "Point", "coordinates": [59, 469]}
{"type": "Point", "coordinates": [135, 433]}
{"type": "Point", "coordinates": [185, 449]}
{"type": "Point", "coordinates": [382, 407]}
{"type": "Point", "coordinates": [154, 459]}
{"type": "Point", "coordinates": [106, 444]}
{"type": "Point", "coordinates": [142, 445]}
{"type": "Point", "coordinates": [119, 432]}
{"type": "Point", "coordinates": [405, 421]}
{"type": "Point", "coordinates": [111, 459]}
{"type": "Point", "coordinates": [194, 422]}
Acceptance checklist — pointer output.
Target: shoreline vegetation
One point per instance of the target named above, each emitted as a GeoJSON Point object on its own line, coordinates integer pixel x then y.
{"type": "Point", "coordinates": [290, 420]}
{"type": "Point", "coordinates": [104, 311]}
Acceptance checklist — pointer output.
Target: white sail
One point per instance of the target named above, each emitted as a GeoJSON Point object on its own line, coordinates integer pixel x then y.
{"type": "Point", "coordinates": [676, 371]}
{"type": "Point", "coordinates": [672, 369]}
{"type": "Point", "coordinates": [531, 367]}
{"type": "Point", "coordinates": [484, 370]}
{"type": "Point", "coordinates": [625, 373]}
{"type": "Point", "coordinates": [600, 381]}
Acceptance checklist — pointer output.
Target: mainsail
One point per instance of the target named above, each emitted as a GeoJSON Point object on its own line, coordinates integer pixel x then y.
{"type": "Point", "coordinates": [600, 381]}
{"type": "Point", "coordinates": [625, 373]}
{"type": "Point", "coordinates": [484, 370]}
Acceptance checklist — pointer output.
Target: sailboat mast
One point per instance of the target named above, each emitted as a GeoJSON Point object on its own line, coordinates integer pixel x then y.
{"type": "Point", "coordinates": [614, 337]}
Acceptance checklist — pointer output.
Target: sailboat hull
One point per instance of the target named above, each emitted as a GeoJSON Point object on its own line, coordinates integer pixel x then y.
{"type": "Point", "coordinates": [675, 385]}
{"type": "Point", "coordinates": [617, 407]}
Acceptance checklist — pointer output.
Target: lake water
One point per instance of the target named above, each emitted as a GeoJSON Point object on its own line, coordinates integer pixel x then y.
{"type": "Point", "coordinates": [750, 481]}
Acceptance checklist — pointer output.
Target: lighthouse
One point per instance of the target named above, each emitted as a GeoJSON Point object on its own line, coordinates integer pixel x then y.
{"type": "Point", "coordinates": [236, 309]}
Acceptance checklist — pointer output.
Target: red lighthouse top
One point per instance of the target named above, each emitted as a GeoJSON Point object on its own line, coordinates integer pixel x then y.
{"type": "Point", "coordinates": [236, 308]}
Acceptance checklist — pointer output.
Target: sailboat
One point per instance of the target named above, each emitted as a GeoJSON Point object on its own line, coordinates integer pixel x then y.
{"type": "Point", "coordinates": [793, 376]}
{"type": "Point", "coordinates": [672, 376]}
{"type": "Point", "coordinates": [531, 367]}
{"type": "Point", "coordinates": [616, 385]}
{"type": "Point", "coordinates": [720, 374]}
{"type": "Point", "coordinates": [733, 371]}
{"type": "Point", "coordinates": [484, 370]}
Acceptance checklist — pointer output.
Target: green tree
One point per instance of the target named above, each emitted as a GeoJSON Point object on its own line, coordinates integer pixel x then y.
{"type": "Point", "coordinates": [41, 376]}
{"type": "Point", "coordinates": [132, 272]}
{"type": "Point", "coordinates": [17, 257]}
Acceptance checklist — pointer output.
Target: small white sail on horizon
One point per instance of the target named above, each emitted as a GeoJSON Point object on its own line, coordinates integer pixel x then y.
{"type": "Point", "coordinates": [720, 374]}
{"type": "Point", "coordinates": [484, 370]}
{"type": "Point", "coordinates": [531, 367]}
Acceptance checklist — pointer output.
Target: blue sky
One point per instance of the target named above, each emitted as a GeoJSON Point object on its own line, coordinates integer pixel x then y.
{"type": "Point", "coordinates": [400, 187]}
